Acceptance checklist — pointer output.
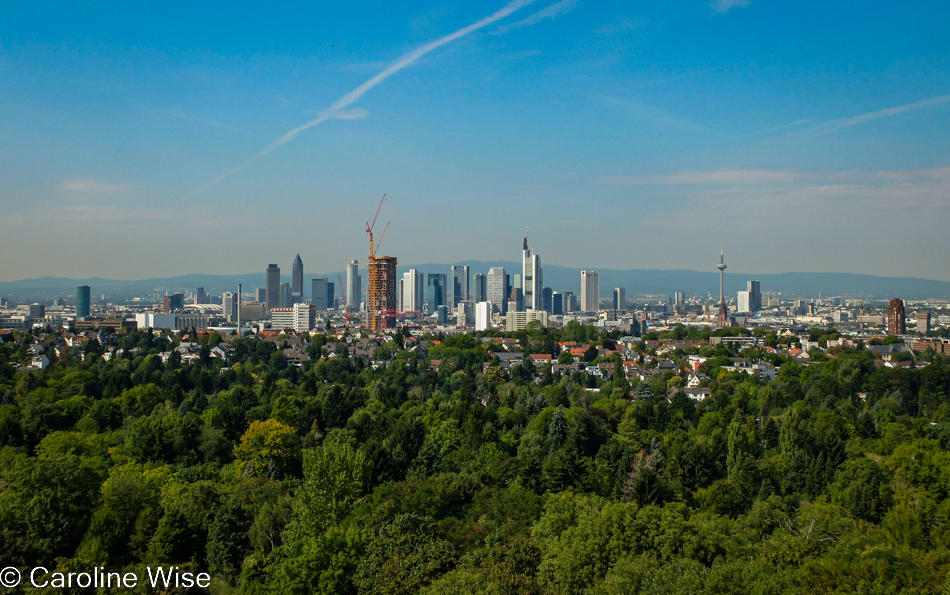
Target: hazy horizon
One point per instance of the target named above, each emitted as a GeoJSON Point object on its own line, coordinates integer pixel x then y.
{"type": "Point", "coordinates": [150, 141]}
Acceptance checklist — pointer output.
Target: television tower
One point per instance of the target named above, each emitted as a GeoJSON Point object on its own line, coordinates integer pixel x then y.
{"type": "Point", "coordinates": [723, 311]}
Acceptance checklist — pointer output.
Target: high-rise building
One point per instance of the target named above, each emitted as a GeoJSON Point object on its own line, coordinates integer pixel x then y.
{"type": "Point", "coordinates": [281, 318]}
{"type": "Point", "coordinates": [296, 279]}
{"type": "Point", "coordinates": [459, 284]}
{"type": "Point", "coordinates": [413, 291]}
{"type": "Point", "coordinates": [532, 278]}
{"type": "Point", "coordinates": [285, 296]}
{"type": "Point", "coordinates": [319, 296]}
{"type": "Point", "coordinates": [463, 313]}
{"type": "Point", "coordinates": [82, 301]}
{"type": "Point", "coordinates": [744, 302]}
{"type": "Point", "coordinates": [483, 312]}
{"type": "Point", "coordinates": [590, 291]}
{"type": "Point", "coordinates": [679, 299]}
{"type": "Point", "coordinates": [923, 321]}
{"type": "Point", "coordinates": [331, 295]}
{"type": "Point", "coordinates": [272, 285]}
{"type": "Point", "coordinates": [229, 306]}
{"type": "Point", "coordinates": [436, 292]}
{"type": "Point", "coordinates": [37, 311]}
{"type": "Point", "coordinates": [479, 288]}
{"type": "Point", "coordinates": [723, 310]}
{"type": "Point", "coordinates": [569, 302]}
{"type": "Point", "coordinates": [755, 296]}
{"type": "Point", "coordinates": [497, 288]}
{"type": "Point", "coordinates": [518, 321]}
{"type": "Point", "coordinates": [260, 295]}
{"type": "Point", "coordinates": [557, 303]}
{"type": "Point", "coordinates": [200, 297]}
{"type": "Point", "coordinates": [895, 318]}
{"type": "Point", "coordinates": [353, 293]}
{"type": "Point", "coordinates": [516, 300]}
{"type": "Point", "coordinates": [517, 281]}
{"type": "Point", "coordinates": [620, 298]}
{"type": "Point", "coordinates": [173, 303]}
{"type": "Point", "coordinates": [381, 293]}
{"type": "Point", "coordinates": [253, 311]}
{"type": "Point", "coordinates": [547, 299]}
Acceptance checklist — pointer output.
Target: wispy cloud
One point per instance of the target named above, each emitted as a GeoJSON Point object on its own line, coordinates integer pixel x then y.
{"type": "Point", "coordinates": [721, 6]}
{"type": "Point", "coordinates": [549, 12]}
{"type": "Point", "coordinates": [349, 114]}
{"type": "Point", "coordinates": [642, 111]}
{"type": "Point", "coordinates": [785, 178]}
{"type": "Point", "coordinates": [884, 113]}
{"type": "Point", "coordinates": [734, 177]}
{"type": "Point", "coordinates": [522, 55]}
{"type": "Point", "coordinates": [340, 105]}
{"type": "Point", "coordinates": [795, 124]}
{"type": "Point", "coordinates": [208, 121]}
{"type": "Point", "coordinates": [614, 28]}
{"type": "Point", "coordinates": [87, 186]}
{"type": "Point", "coordinates": [903, 175]}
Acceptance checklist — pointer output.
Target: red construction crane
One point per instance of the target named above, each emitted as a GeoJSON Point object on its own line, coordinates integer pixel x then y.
{"type": "Point", "coordinates": [369, 230]}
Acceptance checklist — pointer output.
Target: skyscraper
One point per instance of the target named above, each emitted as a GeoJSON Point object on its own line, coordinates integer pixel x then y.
{"type": "Point", "coordinates": [744, 302]}
{"type": "Point", "coordinates": [497, 292]}
{"type": "Point", "coordinates": [590, 291]}
{"type": "Point", "coordinates": [620, 298]}
{"type": "Point", "coordinates": [413, 290]}
{"type": "Point", "coordinates": [285, 298]}
{"type": "Point", "coordinates": [569, 302]}
{"type": "Point", "coordinates": [479, 288]}
{"type": "Point", "coordinates": [173, 303]}
{"type": "Point", "coordinates": [483, 311]}
{"type": "Point", "coordinates": [755, 296]}
{"type": "Point", "coordinates": [352, 285]}
{"type": "Point", "coordinates": [319, 294]}
{"type": "Point", "coordinates": [229, 306]}
{"type": "Point", "coordinates": [516, 300]}
{"type": "Point", "coordinates": [435, 292]}
{"type": "Point", "coordinates": [531, 278]}
{"type": "Point", "coordinates": [381, 293]}
{"type": "Point", "coordinates": [82, 301]}
{"type": "Point", "coordinates": [200, 296]}
{"type": "Point", "coordinates": [923, 321]}
{"type": "Point", "coordinates": [895, 318]}
{"type": "Point", "coordinates": [272, 287]}
{"type": "Point", "coordinates": [459, 284]}
{"type": "Point", "coordinates": [723, 310]}
{"type": "Point", "coordinates": [547, 299]}
{"type": "Point", "coordinates": [296, 280]}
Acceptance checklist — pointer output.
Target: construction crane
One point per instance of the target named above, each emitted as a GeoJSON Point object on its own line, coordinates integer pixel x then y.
{"type": "Point", "coordinates": [369, 230]}
{"type": "Point", "coordinates": [381, 273]}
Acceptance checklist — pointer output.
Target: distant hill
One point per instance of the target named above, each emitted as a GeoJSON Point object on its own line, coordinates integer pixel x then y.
{"type": "Point", "coordinates": [635, 281]}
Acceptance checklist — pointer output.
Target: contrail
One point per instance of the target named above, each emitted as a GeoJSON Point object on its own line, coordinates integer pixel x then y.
{"type": "Point", "coordinates": [337, 109]}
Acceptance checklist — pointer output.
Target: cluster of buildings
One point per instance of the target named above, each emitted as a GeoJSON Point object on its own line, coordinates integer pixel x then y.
{"type": "Point", "coordinates": [458, 301]}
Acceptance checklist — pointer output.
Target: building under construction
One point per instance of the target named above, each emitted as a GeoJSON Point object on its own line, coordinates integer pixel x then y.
{"type": "Point", "coordinates": [381, 292]}
{"type": "Point", "coordinates": [381, 285]}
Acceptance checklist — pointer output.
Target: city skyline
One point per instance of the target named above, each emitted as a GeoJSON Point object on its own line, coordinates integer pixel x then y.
{"type": "Point", "coordinates": [700, 120]}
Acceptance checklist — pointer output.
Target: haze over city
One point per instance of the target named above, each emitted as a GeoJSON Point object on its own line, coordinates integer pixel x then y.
{"type": "Point", "coordinates": [150, 141]}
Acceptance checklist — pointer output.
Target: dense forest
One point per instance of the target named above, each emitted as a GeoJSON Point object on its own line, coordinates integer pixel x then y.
{"type": "Point", "coordinates": [443, 472]}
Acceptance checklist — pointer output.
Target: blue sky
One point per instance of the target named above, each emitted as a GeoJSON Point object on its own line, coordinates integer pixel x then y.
{"type": "Point", "coordinates": [808, 136]}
